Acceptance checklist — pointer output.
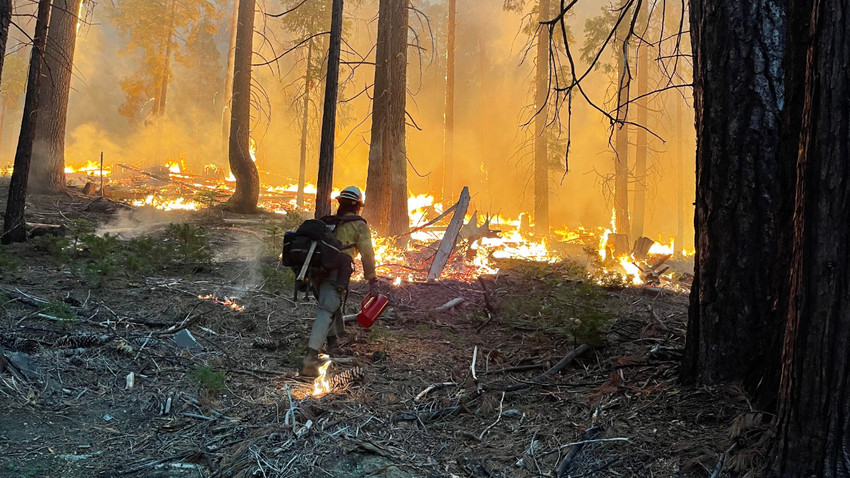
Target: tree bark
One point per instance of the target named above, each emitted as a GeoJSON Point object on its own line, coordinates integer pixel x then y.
{"type": "Point", "coordinates": [541, 150]}
{"type": "Point", "coordinates": [48, 155]}
{"type": "Point", "coordinates": [14, 229]}
{"type": "Point", "coordinates": [305, 119]}
{"type": "Point", "coordinates": [386, 184]}
{"type": "Point", "coordinates": [228, 83]}
{"type": "Point", "coordinates": [324, 185]}
{"type": "Point", "coordinates": [679, 167]}
{"type": "Point", "coordinates": [621, 146]}
{"type": "Point", "coordinates": [5, 20]}
{"type": "Point", "coordinates": [814, 397]}
{"type": "Point", "coordinates": [449, 146]}
{"type": "Point", "coordinates": [399, 216]}
{"type": "Point", "coordinates": [166, 61]}
{"type": "Point", "coordinates": [738, 91]}
{"type": "Point", "coordinates": [639, 209]}
{"type": "Point", "coordinates": [244, 199]}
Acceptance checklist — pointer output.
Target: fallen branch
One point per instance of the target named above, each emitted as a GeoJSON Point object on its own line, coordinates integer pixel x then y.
{"type": "Point", "coordinates": [588, 436]}
{"type": "Point", "coordinates": [543, 376]}
{"type": "Point", "coordinates": [501, 402]}
{"type": "Point", "coordinates": [448, 305]}
{"type": "Point", "coordinates": [449, 240]}
{"type": "Point", "coordinates": [431, 388]}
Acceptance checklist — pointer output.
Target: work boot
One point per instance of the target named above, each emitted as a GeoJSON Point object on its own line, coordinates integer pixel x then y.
{"type": "Point", "coordinates": [311, 364]}
{"type": "Point", "coordinates": [334, 346]}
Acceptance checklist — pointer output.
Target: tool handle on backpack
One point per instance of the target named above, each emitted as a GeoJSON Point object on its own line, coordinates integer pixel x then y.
{"type": "Point", "coordinates": [307, 262]}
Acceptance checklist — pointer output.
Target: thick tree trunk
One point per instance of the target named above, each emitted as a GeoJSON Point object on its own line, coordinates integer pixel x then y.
{"type": "Point", "coordinates": [738, 91]}
{"type": "Point", "coordinates": [305, 121]}
{"type": "Point", "coordinates": [377, 181]}
{"type": "Point", "coordinates": [386, 184]}
{"type": "Point", "coordinates": [639, 209]}
{"type": "Point", "coordinates": [679, 167]}
{"type": "Point", "coordinates": [324, 185]}
{"type": "Point", "coordinates": [814, 398]}
{"type": "Point", "coordinates": [399, 216]}
{"type": "Point", "coordinates": [15, 221]}
{"type": "Point", "coordinates": [244, 199]}
{"type": "Point", "coordinates": [449, 146]}
{"type": "Point", "coordinates": [166, 61]}
{"type": "Point", "coordinates": [48, 155]}
{"type": "Point", "coordinates": [621, 146]}
{"type": "Point", "coordinates": [5, 20]}
{"type": "Point", "coordinates": [541, 150]}
{"type": "Point", "coordinates": [228, 83]}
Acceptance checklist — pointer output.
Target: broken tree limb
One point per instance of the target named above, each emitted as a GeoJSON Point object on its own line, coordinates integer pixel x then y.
{"type": "Point", "coordinates": [589, 435]}
{"type": "Point", "coordinates": [431, 388]}
{"type": "Point", "coordinates": [543, 376]}
{"type": "Point", "coordinates": [450, 237]}
{"type": "Point", "coordinates": [432, 221]}
{"type": "Point", "coordinates": [448, 305]}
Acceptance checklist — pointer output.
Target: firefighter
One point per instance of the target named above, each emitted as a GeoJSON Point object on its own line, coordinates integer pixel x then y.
{"type": "Point", "coordinates": [351, 230]}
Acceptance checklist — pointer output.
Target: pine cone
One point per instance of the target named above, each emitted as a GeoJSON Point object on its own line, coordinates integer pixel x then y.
{"type": "Point", "coordinates": [264, 343]}
{"type": "Point", "coordinates": [81, 341]}
{"type": "Point", "coordinates": [16, 343]}
{"type": "Point", "coordinates": [347, 377]}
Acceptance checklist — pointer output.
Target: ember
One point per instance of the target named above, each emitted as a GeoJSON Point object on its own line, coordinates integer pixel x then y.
{"type": "Point", "coordinates": [228, 302]}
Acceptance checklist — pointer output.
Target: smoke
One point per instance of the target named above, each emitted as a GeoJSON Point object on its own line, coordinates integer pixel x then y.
{"type": "Point", "coordinates": [494, 94]}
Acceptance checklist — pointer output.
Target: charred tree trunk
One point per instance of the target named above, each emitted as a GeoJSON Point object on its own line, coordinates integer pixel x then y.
{"type": "Point", "coordinates": [737, 101]}
{"type": "Point", "coordinates": [48, 155]}
{"type": "Point", "coordinates": [244, 199]}
{"type": "Point", "coordinates": [814, 398]}
{"type": "Point", "coordinates": [305, 121]}
{"type": "Point", "coordinates": [228, 83]}
{"type": "Point", "coordinates": [386, 184]}
{"type": "Point", "coordinates": [621, 146]}
{"type": "Point", "coordinates": [541, 150]}
{"type": "Point", "coordinates": [166, 61]}
{"type": "Point", "coordinates": [324, 185]}
{"type": "Point", "coordinates": [377, 180]}
{"type": "Point", "coordinates": [399, 216]}
{"type": "Point", "coordinates": [449, 146]}
{"type": "Point", "coordinates": [14, 223]}
{"type": "Point", "coordinates": [5, 20]}
{"type": "Point", "coordinates": [639, 209]}
{"type": "Point", "coordinates": [679, 243]}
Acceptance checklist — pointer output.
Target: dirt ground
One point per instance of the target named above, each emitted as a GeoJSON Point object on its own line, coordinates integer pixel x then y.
{"type": "Point", "coordinates": [405, 404]}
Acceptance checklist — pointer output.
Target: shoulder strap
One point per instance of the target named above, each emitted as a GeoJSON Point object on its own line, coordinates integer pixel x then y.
{"type": "Point", "coordinates": [337, 220]}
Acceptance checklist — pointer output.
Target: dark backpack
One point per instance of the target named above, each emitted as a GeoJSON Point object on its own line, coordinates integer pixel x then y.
{"type": "Point", "coordinates": [328, 260]}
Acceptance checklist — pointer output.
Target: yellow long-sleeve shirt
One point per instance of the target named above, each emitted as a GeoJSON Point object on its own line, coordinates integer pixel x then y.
{"type": "Point", "coordinates": [358, 234]}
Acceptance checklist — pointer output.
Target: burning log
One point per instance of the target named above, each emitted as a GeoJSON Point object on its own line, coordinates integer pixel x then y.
{"type": "Point", "coordinates": [640, 250]}
{"type": "Point", "coordinates": [450, 237]}
{"type": "Point", "coordinates": [618, 244]}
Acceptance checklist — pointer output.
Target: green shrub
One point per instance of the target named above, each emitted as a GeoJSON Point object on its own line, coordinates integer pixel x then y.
{"type": "Point", "coordinates": [277, 280]}
{"type": "Point", "coordinates": [192, 243]}
{"type": "Point", "coordinates": [55, 247]}
{"type": "Point", "coordinates": [58, 309]}
{"type": "Point", "coordinates": [7, 263]}
{"type": "Point", "coordinates": [208, 378]}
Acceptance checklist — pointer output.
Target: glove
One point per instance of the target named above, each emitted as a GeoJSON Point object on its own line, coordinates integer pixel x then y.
{"type": "Point", "coordinates": [373, 286]}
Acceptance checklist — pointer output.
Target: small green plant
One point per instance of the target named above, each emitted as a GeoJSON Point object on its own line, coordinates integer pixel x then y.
{"type": "Point", "coordinates": [7, 263]}
{"type": "Point", "coordinates": [422, 328]}
{"type": "Point", "coordinates": [192, 243]}
{"type": "Point", "coordinates": [99, 247]}
{"type": "Point", "coordinates": [79, 228]}
{"type": "Point", "coordinates": [274, 240]}
{"type": "Point", "coordinates": [100, 272]}
{"type": "Point", "coordinates": [58, 309]}
{"type": "Point", "coordinates": [55, 247]}
{"type": "Point", "coordinates": [277, 280]}
{"type": "Point", "coordinates": [208, 378]}
{"type": "Point", "coordinates": [379, 334]}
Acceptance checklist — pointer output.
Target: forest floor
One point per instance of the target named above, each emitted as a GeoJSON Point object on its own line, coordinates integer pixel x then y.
{"type": "Point", "coordinates": [75, 325]}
